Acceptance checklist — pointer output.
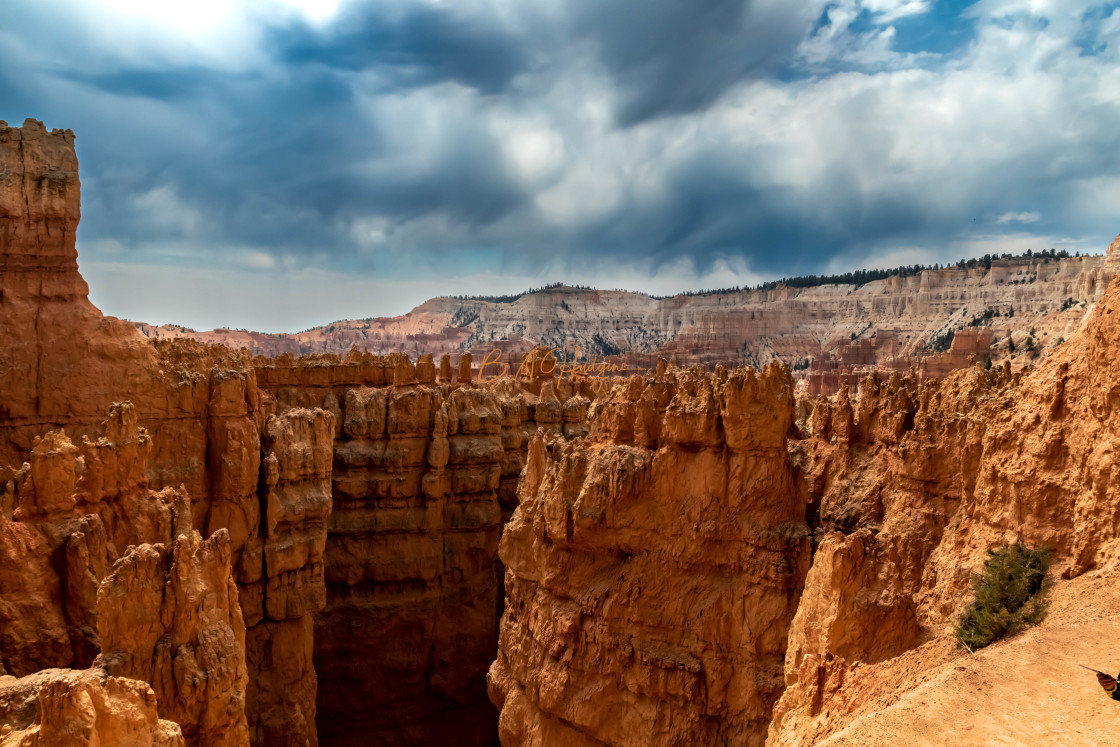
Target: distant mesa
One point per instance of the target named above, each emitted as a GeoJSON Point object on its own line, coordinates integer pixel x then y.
{"type": "Point", "coordinates": [829, 330]}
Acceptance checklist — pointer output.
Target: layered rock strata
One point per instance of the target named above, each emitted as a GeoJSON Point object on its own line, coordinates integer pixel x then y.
{"type": "Point", "coordinates": [843, 330]}
{"type": "Point", "coordinates": [168, 615]}
{"type": "Point", "coordinates": [422, 471]}
{"type": "Point", "coordinates": [194, 431]}
{"type": "Point", "coordinates": [100, 570]}
{"type": "Point", "coordinates": [914, 485]}
{"type": "Point", "coordinates": [653, 568]}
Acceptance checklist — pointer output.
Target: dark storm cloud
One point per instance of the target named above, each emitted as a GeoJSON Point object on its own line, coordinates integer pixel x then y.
{"type": "Point", "coordinates": [679, 56]}
{"type": "Point", "coordinates": [280, 160]}
{"type": "Point", "coordinates": [399, 119]}
{"type": "Point", "coordinates": [415, 46]}
{"type": "Point", "coordinates": [152, 84]}
{"type": "Point", "coordinates": [287, 157]}
{"type": "Point", "coordinates": [716, 210]}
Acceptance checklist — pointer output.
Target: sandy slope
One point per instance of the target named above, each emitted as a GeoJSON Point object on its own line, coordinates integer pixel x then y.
{"type": "Point", "coordinates": [1025, 691]}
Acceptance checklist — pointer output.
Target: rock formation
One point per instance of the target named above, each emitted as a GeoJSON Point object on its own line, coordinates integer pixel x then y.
{"type": "Point", "coordinates": [168, 614]}
{"type": "Point", "coordinates": [916, 487]}
{"type": "Point", "coordinates": [423, 474]}
{"type": "Point", "coordinates": [653, 569]}
{"type": "Point", "coordinates": [95, 564]}
{"type": "Point", "coordinates": [63, 362]}
{"type": "Point", "coordinates": [286, 550]}
{"type": "Point", "coordinates": [86, 708]}
{"type": "Point", "coordinates": [827, 333]}
{"type": "Point", "coordinates": [360, 501]}
{"type": "Point", "coordinates": [185, 449]}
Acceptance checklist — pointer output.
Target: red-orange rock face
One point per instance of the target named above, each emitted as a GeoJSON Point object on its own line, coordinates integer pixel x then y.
{"type": "Point", "coordinates": [652, 571]}
{"type": "Point", "coordinates": [422, 472]}
{"type": "Point", "coordinates": [168, 615]}
{"type": "Point", "coordinates": [98, 569]}
{"type": "Point", "coordinates": [885, 477]}
{"type": "Point", "coordinates": [915, 485]}
{"type": "Point", "coordinates": [362, 501]}
{"type": "Point", "coordinates": [90, 360]}
{"type": "Point", "coordinates": [85, 708]}
{"type": "Point", "coordinates": [194, 426]}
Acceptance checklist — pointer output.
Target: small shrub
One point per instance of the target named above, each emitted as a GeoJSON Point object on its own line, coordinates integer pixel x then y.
{"type": "Point", "coordinates": [1011, 595]}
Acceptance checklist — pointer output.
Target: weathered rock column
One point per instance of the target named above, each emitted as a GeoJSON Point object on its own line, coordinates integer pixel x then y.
{"type": "Point", "coordinates": [653, 570]}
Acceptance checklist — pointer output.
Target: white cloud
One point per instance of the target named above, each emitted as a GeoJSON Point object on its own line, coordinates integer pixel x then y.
{"type": "Point", "coordinates": [163, 209]}
{"type": "Point", "coordinates": [1031, 217]}
{"type": "Point", "coordinates": [259, 260]}
{"type": "Point", "coordinates": [896, 144]}
{"type": "Point", "coordinates": [887, 11]}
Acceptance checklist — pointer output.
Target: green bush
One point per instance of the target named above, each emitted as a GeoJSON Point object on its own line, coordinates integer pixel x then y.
{"type": "Point", "coordinates": [1011, 595]}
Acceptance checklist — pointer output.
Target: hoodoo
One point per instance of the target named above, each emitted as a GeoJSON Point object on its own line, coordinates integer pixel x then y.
{"type": "Point", "coordinates": [653, 569]}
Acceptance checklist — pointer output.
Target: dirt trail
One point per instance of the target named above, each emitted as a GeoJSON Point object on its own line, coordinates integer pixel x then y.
{"type": "Point", "coordinates": [1025, 691]}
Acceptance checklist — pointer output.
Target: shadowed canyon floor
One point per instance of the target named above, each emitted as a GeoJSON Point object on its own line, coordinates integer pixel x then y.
{"type": "Point", "coordinates": [205, 547]}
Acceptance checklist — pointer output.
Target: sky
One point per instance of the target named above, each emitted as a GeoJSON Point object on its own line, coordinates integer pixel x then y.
{"type": "Point", "coordinates": [278, 164]}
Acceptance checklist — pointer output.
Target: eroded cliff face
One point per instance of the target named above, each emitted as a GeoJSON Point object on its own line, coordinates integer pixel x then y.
{"type": "Point", "coordinates": [84, 708]}
{"type": "Point", "coordinates": [100, 571]}
{"type": "Point", "coordinates": [64, 363]}
{"type": "Point", "coordinates": [845, 330]}
{"type": "Point", "coordinates": [905, 487]}
{"type": "Point", "coordinates": [653, 569]}
{"type": "Point", "coordinates": [422, 471]}
{"type": "Point", "coordinates": [189, 442]}
{"type": "Point", "coordinates": [168, 615]}
{"type": "Point", "coordinates": [360, 498]}
{"type": "Point", "coordinates": [914, 487]}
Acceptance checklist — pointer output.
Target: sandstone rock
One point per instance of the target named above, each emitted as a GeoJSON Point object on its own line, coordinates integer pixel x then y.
{"type": "Point", "coordinates": [33, 631]}
{"type": "Point", "coordinates": [648, 588]}
{"type": "Point", "coordinates": [168, 615]}
{"type": "Point", "coordinates": [841, 332]}
{"type": "Point", "coordinates": [282, 683]}
{"type": "Point", "coordinates": [931, 478]}
{"type": "Point", "coordinates": [298, 445]}
{"type": "Point", "coordinates": [86, 708]}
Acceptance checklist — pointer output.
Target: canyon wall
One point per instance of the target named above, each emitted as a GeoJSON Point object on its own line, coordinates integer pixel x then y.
{"type": "Point", "coordinates": [625, 543]}
{"type": "Point", "coordinates": [360, 502]}
{"type": "Point", "coordinates": [360, 499]}
{"type": "Point", "coordinates": [914, 485]}
{"type": "Point", "coordinates": [187, 425]}
{"type": "Point", "coordinates": [422, 472]}
{"type": "Point", "coordinates": [653, 569]}
{"type": "Point", "coordinates": [100, 571]}
{"type": "Point", "coordinates": [827, 333]}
